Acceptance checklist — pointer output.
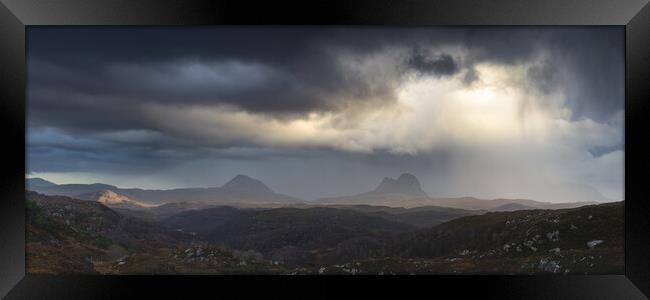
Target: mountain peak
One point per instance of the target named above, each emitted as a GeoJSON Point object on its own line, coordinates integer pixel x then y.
{"type": "Point", "coordinates": [406, 184]}
{"type": "Point", "coordinates": [246, 183]}
{"type": "Point", "coordinates": [408, 178]}
{"type": "Point", "coordinates": [387, 181]}
{"type": "Point", "coordinates": [242, 177]}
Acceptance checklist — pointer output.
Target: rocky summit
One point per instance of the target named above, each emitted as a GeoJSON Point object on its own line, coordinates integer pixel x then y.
{"type": "Point", "coordinates": [245, 183]}
{"type": "Point", "coordinates": [406, 184]}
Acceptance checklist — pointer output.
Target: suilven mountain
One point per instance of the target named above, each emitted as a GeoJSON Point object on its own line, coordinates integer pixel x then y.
{"type": "Point", "coordinates": [406, 191]}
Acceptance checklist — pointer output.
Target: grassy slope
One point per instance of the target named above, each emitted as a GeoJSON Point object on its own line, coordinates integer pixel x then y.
{"type": "Point", "coordinates": [529, 242]}
{"type": "Point", "coordinates": [491, 231]}
{"type": "Point", "coordinates": [63, 234]}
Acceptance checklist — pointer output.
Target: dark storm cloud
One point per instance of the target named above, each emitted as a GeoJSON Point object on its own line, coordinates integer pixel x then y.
{"type": "Point", "coordinates": [53, 151]}
{"type": "Point", "coordinates": [437, 65]}
{"type": "Point", "coordinates": [295, 71]}
{"type": "Point", "coordinates": [594, 58]}
{"type": "Point", "coordinates": [96, 82]}
{"type": "Point", "coordinates": [292, 71]}
{"type": "Point", "coordinates": [140, 153]}
{"type": "Point", "coordinates": [471, 76]}
{"type": "Point", "coordinates": [597, 63]}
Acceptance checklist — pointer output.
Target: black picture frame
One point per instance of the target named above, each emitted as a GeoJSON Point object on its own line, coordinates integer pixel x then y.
{"type": "Point", "coordinates": [634, 15]}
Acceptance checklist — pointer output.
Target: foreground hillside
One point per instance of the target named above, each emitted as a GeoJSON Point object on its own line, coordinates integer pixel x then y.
{"type": "Point", "coordinates": [589, 239]}
{"type": "Point", "coordinates": [66, 235]}
{"type": "Point", "coordinates": [70, 236]}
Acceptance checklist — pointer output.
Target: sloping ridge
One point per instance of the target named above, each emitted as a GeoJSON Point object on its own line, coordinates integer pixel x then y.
{"type": "Point", "coordinates": [38, 182]}
{"type": "Point", "coordinates": [244, 187]}
{"type": "Point", "coordinates": [243, 183]}
{"type": "Point", "coordinates": [240, 189]}
{"type": "Point", "coordinates": [532, 231]}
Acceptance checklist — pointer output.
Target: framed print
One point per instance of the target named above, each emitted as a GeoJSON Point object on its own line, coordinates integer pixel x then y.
{"type": "Point", "coordinates": [374, 148]}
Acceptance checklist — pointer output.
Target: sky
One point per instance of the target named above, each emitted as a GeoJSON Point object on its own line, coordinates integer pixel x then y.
{"type": "Point", "coordinates": [489, 112]}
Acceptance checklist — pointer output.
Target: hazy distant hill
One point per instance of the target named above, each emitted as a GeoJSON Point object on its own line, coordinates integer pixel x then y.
{"type": "Point", "coordinates": [241, 189]}
{"type": "Point", "coordinates": [511, 207]}
{"type": "Point", "coordinates": [404, 187]}
{"type": "Point", "coordinates": [38, 182]}
{"type": "Point", "coordinates": [70, 190]}
{"type": "Point", "coordinates": [406, 192]}
{"type": "Point", "coordinates": [574, 192]}
{"type": "Point", "coordinates": [465, 203]}
{"type": "Point", "coordinates": [472, 203]}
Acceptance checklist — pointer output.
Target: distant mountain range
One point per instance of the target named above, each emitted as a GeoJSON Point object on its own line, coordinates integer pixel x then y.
{"type": "Point", "coordinates": [491, 205]}
{"type": "Point", "coordinates": [405, 191]}
{"type": "Point", "coordinates": [240, 189]}
{"type": "Point", "coordinates": [39, 183]}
